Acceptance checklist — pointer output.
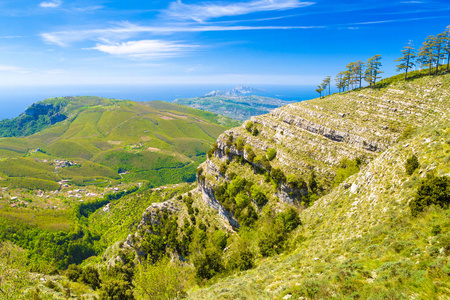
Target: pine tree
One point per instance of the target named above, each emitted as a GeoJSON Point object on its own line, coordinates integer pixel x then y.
{"type": "Point", "coordinates": [340, 82]}
{"type": "Point", "coordinates": [407, 60]}
{"type": "Point", "coordinates": [327, 82]}
{"type": "Point", "coordinates": [447, 45]}
{"type": "Point", "coordinates": [351, 74]}
{"type": "Point", "coordinates": [319, 90]}
{"type": "Point", "coordinates": [347, 76]}
{"type": "Point", "coordinates": [425, 56]}
{"type": "Point", "coordinates": [431, 49]}
{"type": "Point", "coordinates": [373, 69]}
{"type": "Point", "coordinates": [358, 70]}
{"type": "Point", "coordinates": [438, 45]}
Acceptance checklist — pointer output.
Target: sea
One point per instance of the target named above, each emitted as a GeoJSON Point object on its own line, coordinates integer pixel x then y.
{"type": "Point", "coordinates": [14, 100]}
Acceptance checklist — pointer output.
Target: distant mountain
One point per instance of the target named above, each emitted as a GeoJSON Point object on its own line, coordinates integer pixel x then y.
{"type": "Point", "coordinates": [155, 141]}
{"type": "Point", "coordinates": [237, 92]}
{"type": "Point", "coordinates": [239, 103]}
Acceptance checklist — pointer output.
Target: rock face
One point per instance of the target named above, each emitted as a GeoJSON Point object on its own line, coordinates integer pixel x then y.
{"type": "Point", "coordinates": [209, 198]}
{"type": "Point", "coordinates": [150, 217]}
{"type": "Point", "coordinates": [316, 135]}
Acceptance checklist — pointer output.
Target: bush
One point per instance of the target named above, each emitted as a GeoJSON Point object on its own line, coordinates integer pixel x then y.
{"type": "Point", "coordinates": [74, 272]}
{"type": "Point", "coordinates": [249, 126]}
{"type": "Point", "coordinates": [240, 144]}
{"type": "Point", "coordinates": [255, 131]}
{"type": "Point", "coordinates": [250, 153]}
{"type": "Point", "coordinates": [208, 264]}
{"type": "Point", "coordinates": [258, 196]}
{"type": "Point", "coordinates": [411, 164]}
{"type": "Point", "coordinates": [295, 182]}
{"type": "Point", "coordinates": [432, 190]}
{"type": "Point", "coordinates": [163, 280]}
{"type": "Point", "coordinates": [241, 257]}
{"type": "Point", "coordinates": [242, 200]}
{"type": "Point", "coordinates": [271, 239]}
{"type": "Point", "coordinates": [278, 175]}
{"type": "Point", "coordinates": [271, 153]}
{"type": "Point", "coordinates": [289, 219]}
{"type": "Point", "coordinates": [116, 289]}
{"type": "Point", "coordinates": [91, 277]}
{"type": "Point", "coordinates": [223, 168]}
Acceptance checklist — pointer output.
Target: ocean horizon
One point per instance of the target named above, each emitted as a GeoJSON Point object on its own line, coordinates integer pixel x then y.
{"type": "Point", "coordinates": [14, 100]}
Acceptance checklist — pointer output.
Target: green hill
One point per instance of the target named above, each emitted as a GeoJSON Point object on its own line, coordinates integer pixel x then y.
{"type": "Point", "coordinates": [344, 197]}
{"type": "Point", "coordinates": [155, 141]}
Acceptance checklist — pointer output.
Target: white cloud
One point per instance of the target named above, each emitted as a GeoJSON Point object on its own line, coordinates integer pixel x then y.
{"type": "Point", "coordinates": [13, 69]}
{"type": "Point", "coordinates": [51, 4]}
{"type": "Point", "coordinates": [128, 30]}
{"type": "Point", "coordinates": [147, 48]}
{"type": "Point", "coordinates": [206, 11]}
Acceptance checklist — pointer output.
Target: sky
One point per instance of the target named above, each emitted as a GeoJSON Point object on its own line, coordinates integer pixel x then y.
{"type": "Point", "coordinates": [292, 42]}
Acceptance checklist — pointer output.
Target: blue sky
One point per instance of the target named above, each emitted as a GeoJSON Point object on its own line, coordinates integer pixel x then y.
{"type": "Point", "coordinates": [79, 42]}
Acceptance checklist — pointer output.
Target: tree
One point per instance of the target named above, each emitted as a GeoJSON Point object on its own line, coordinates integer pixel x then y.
{"type": "Point", "coordinates": [340, 82]}
{"type": "Point", "coordinates": [358, 71]}
{"type": "Point", "coordinates": [319, 90]}
{"type": "Point", "coordinates": [327, 82]}
{"type": "Point", "coordinates": [373, 69]}
{"type": "Point", "coordinates": [425, 56]}
{"type": "Point", "coordinates": [447, 45]}
{"type": "Point", "coordinates": [438, 44]}
{"type": "Point", "coordinates": [430, 43]}
{"type": "Point", "coordinates": [350, 74]}
{"type": "Point", "coordinates": [407, 59]}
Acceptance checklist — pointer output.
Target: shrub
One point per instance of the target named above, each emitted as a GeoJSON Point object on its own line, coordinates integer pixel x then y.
{"type": "Point", "coordinates": [242, 200]}
{"type": "Point", "coordinates": [346, 169]}
{"type": "Point", "coordinates": [163, 280]}
{"type": "Point", "coordinates": [289, 219]}
{"type": "Point", "coordinates": [278, 175]}
{"type": "Point", "coordinates": [91, 277]}
{"type": "Point", "coordinates": [116, 289]}
{"type": "Point", "coordinates": [411, 164]}
{"type": "Point", "coordinates": [223, 169]}
{"type": "Point", "coordinates": [255, 131]}
{"type": "Point", "coordinates": [295, 182]}
{"type": "Point", "coordinates": [240, 144]}
{"type": "Point", "coordinates": [257, 195]}
{"type": "Point", "coordinates": [263, 161]}
{"type": "Point", "coordinates": [250, 153]}
{"type": "Point", "coordinates": [249, 126]}
{"type": "Point", "coordinates": [271, 239]}
{"type": "Point", "coordinates": [74, 272]}
{"type": "Point", "coordinates": [271, 153]}
{"type": "Point", "coordinates": [241, 257]}
{"type": "Point", "coordinates": [312, 183]}
{"type": "Point", "coordinates": [431, 190]}
{"type": "Point", "coordinates": [208, 264]}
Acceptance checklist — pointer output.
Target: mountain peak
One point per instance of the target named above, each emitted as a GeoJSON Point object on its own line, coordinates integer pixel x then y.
{"type": "Point", "coordinates": [237, 91]}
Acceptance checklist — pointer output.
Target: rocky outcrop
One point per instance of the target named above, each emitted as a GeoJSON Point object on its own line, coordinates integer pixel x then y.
{"type": "Point", "coordinates": [209, 198]}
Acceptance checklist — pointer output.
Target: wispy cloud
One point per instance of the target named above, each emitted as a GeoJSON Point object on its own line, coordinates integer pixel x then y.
{"type": "Point", "coordinates": [13, 69]}
{"type": "Point", "coordinates": [207, 11]}
{"type": "Point", "coordinates": [127, 30]}
{"type": "Point", "coordinates": [147, 49]}
{"type": "Point", "coordinates": [51, 4]}
{"type": "Point", "coordinates": [397, 20]}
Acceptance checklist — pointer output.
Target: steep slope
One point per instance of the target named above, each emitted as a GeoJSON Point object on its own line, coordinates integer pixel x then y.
{"type": "Point", "coordinates": [360, 241]}
{"type": "Point", "coordinates": [314, 138]}
{"type": "Point", "coordinates": [155, 141]}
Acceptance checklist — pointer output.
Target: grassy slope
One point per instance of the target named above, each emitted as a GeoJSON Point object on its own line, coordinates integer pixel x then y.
{"type": "Point", "coordinates": [364, 244]}
{"type": "Point", "coordinates": [146, 139]}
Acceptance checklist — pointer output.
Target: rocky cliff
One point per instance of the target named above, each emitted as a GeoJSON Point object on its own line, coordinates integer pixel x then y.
{"type": "Point", "coordinates": [316, 136]}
